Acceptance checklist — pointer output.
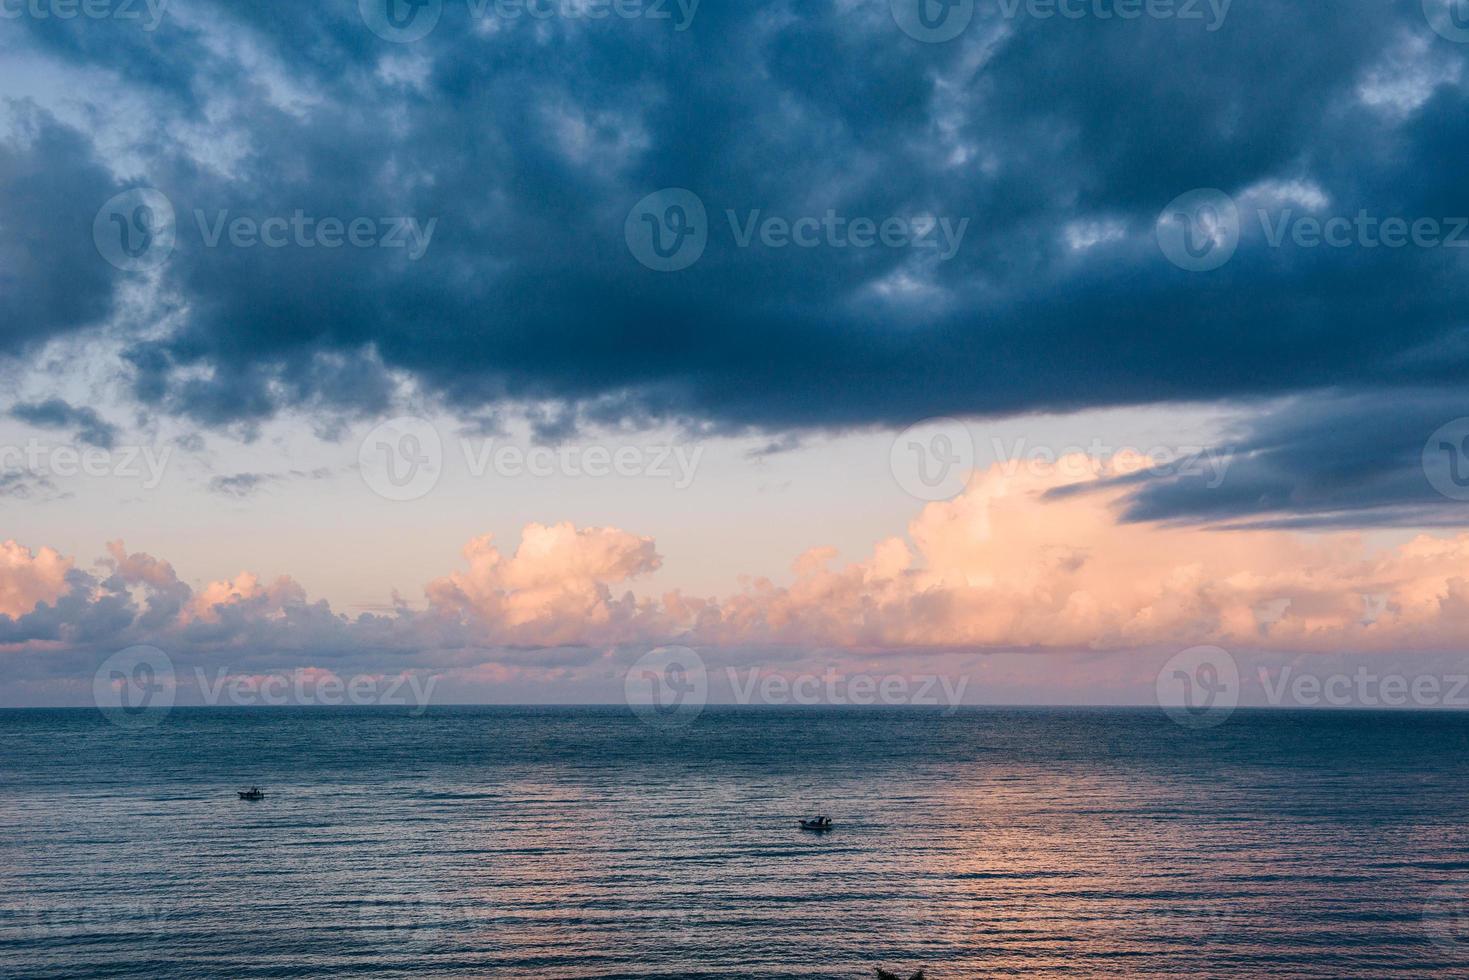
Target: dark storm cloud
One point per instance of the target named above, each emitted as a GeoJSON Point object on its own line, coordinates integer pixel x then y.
{"type": "Point", "coordinates": [527, 146]}
{"type": "Point", "coordinates": [50, 279]}
{"type": "Point", "coordinates": [1329, 461]}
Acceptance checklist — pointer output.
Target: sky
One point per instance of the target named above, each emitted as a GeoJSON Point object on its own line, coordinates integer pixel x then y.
{"type": "Point", "coordinates": [504, 345]}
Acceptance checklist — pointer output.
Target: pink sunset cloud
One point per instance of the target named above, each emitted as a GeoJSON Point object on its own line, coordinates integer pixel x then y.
{"type": "Point", "coordinates": [29, 578]}
{"type": "Point", "coordinates": [247, 591]}
{"type": "Point", "coordinates": [1010, 564]}
{"type": "Point", "coordinates": [555, 590]}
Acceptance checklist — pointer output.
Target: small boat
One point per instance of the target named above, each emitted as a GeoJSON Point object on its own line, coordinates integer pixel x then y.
{"type": "Point", "coordinates": [253, 793]}
{"type": "Point", "coordinates": [818, 825]}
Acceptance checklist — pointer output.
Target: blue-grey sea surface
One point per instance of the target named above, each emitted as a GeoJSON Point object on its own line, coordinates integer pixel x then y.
{"type": "Point", "coordinates": [584, 842]}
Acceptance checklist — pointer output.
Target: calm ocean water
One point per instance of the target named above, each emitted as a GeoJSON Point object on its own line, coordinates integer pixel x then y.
{"type": "Point", "coordinates": [582, 843]}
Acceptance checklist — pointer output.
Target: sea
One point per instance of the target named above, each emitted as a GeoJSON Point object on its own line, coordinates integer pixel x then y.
{"type": "Point", "coordinates": [587, 842]}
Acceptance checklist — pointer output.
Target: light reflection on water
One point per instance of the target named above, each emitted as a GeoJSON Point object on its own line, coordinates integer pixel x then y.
{"type": "Point", "coordinates": [579, 843]}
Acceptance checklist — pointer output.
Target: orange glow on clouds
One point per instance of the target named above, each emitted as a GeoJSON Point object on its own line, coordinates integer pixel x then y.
{"type": "Point", "coordinates": [1003, 566]}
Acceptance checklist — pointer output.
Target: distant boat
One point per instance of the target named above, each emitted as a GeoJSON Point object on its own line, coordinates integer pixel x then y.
{"type": "Point", "coordinates": [819, 824]}
{"type": "Point", "coordinates": [253, 793]}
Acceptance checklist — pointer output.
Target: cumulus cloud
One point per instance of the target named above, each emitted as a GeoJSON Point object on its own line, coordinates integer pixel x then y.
{"type": "Point", "coordinates": [1010, 564]}
{"type": "Point", "coordinates": [556, 588]}
{"type": "Point", "coordinates": [1015, 564]}
{"type": "Point", "coordinates": [28, 578]}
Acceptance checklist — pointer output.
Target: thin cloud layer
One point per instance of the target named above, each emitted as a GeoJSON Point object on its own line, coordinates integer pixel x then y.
{"type": "Point", "coordinates": [1345, 460]}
